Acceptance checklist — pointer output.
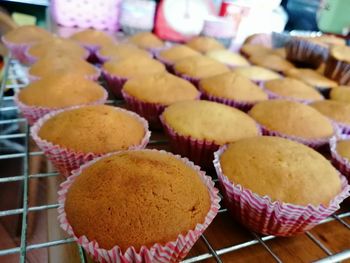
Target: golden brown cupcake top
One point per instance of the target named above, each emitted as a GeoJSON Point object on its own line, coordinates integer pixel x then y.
{"type": "Point", "coordinates": [271, 61]}
{"type": "Point", "coordinates": [163, 88]}
{"type": "Point", "coordinates": [27, 35]}
{"type": "Point", "coordinates": [256, 73]}
{"type": "Point", "coordinates": [132, 67]}
{"type": "Point", "coordinates": [61, 64]}
{"type": "Point", "coordinates": [341, 53]}
{"type": "Point", "coordinates": [57, 46]}
{"type": "Point", "coordinates": [211, 121]}
{"type": "Point", "coordinates": [93, 37]}
{"type": "Point", "coordinates": [144, 197]}
{"type": "Point", "coordinates": [200, 67]}
{"type": "Point", "coordinates": [232, 86]}
{"type": "Point", "coordinates": [335, 110]}
{"type": "Point", "coordinates": [340, 93]}
{"type": "Point", "coordinates": [311, 77]}
{"type": "Point", "coordinates": [64, 90]}
{"type": "Point", "coordinates": [177, 53]}
{"type": "Point", "coordinates": [228, 58]}
{"type": "Point", "coordinates": [281, 169]}
{"type": "Point", "coordinates": [121, 51]}
{"type": "Point", "coordinates": [292, 118]}
{"type": "Point", "coordinates": [332, 40]}
{"type": "Point", "coordinates": [204, 44]}
{"type": "Point", "coordinates": [146, 40]}
{"type": "Point", "coordinates": [97, 129]}
{"type": "Point", "coordinates": [292, 88]}
{"type": "Point", "coordinates": [343, 149]}
{"type": "Point", "coordinates": [254, 49]}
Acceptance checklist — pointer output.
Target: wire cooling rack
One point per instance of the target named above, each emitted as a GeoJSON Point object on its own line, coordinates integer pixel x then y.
{"type": "Point", "coordinates": [14, 142]}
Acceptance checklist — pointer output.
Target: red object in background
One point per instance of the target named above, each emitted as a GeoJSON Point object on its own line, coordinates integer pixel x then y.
{"type": "Point", "coordinates": [234, 10]}
{"type": "Point", "coordinates": [179, 20]}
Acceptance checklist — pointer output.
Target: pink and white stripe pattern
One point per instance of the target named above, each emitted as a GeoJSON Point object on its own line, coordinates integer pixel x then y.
{"type": "Point", "coordinates": [172, 251]}
{"type": "Point", "coordinates": [341, 163]}
{"type": "Point", "coordinates": [65, 160]}
{"type": "Point", "coordinates": [33, 113]}
{"type": "Point", "coordinates": [262, 215]}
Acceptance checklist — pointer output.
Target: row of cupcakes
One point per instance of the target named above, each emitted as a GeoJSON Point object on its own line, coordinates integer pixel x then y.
{"type": "Point", "coordinates": [95, 126]}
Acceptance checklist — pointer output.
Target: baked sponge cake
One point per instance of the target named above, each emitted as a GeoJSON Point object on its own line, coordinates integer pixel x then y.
{"type": "Point", "coordinates": [136, 198]}
{"type": "Point", "coordinates": [146, 40]}
{"type": "Point", "coordinates": [27, 35]}
{"type": "Point", "coordinates": [204, 44]}
{"type": "Point", "coordinates": [293, 120]}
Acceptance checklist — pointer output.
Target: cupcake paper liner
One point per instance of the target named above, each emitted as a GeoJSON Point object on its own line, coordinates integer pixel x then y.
{"type": "Point", "coordinates": [262, 215]}
{"type": "Point", "coordinates": [341, 163]}
{"type": "Point", "coordinates": [201, 152]}
{"type": "Point", "coordinates": [168, 65]}
{"type": "Point", "coordinates": [17, 50]}
{"type": "Point", "coordinates": [172, 251]}
{"type": "Point", "coordinates": [114, 83]}
{"type": "Point", "coordinates": [342, 127]}
{"type": "Point", "coordinates": [313, 143]}
{"type": "Point", "coordinates": [303, 51]}
{"type": "Point", "coordinates": [66, 160]}
{"type": "Point", "coordinates": [33, 113]}
{"type": "Point", "coordinates": [150, 111]}
{"type": "Point", "coordinates": [194, 81]}
{"type": "Point", "coordinates": [241, 105]}
{"type": "Point", "coordinates": [338, 71]}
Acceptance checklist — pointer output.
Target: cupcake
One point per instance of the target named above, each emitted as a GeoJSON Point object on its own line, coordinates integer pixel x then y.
{"type": "Point", "coordinates": [204, 44]}
{"type": "Point", "coordinates": [341, 93]}
{"type": "Point", "coordinates": [63, 89]}
{"type": "Point", "coordinates": [72, 137]}
{"type": "Point", "coordinates": [307, 51]}
{"type": "Point", "coordinates": [62, 64]}
{"type": "Point", "coordinates": [294, 121]}
{"type": "Point", "coordinates": [249, 50]}
{"type": "Point", "coordinates": [312, 78]}
{"type": "Point", "coordinates": [340, 151]}
{"type": "Point", "coordinates": [228, 58]}
{"type": "Point", "coordinates": [148, 41]}
{"type": "Point", "coordinates": [232, 89]}
{"type": "Point", "coordinates": [291, 89]}
{"type": "Point", "coordinates": [174, 54]}
{"type": "Point", "coordinates": [275, 186]}
{"type": "Point", "coordinates": [20, 39]}
{"type": "Point", "coordinates": [120, 51]}
{"type": "Point", "coordinates": [150, 94]}
{"type": "Point", "coordinates": [198, 67]}
{"type": "Point", "coordinates": [55, 47]}
{"type": "Point", "coordinates": [337, 111]}
{"type": "Point", "coordinates": [150, 206]}
{"type": "Point", "coordinates": [257, 74]}
{"type": "Point", "coordinates": [196, 129]}
{"type": "Point", "coordinates": [271, 61]}
{"type": "Point", "coordinates": [338, 65]}
{"type": "Point", "coordinates": [93, 40]}
{"type": "Point", "coordinates": [116, 73]}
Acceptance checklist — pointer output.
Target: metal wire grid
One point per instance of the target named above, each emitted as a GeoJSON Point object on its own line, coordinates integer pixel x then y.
{"type": "Point", "coordinates": [13, 79]}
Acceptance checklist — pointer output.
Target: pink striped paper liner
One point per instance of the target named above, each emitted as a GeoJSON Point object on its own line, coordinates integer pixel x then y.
{"type": "Point", "coordinates": [66, 160]}
{"type": "Point", "coordinates": [173, 251]}
{"type": "Point", "coordinates": [30, 59]}
{"type": "Point", "coordinates": [341, 163]}
{"type": "Point", "coordinates": [313, 143]}
{"type": "Point", "coordinates": [93, 77]}
{"type": "Point", "coordinates": [33, 113]}
{"type": "Point", "coordinates": [201, 152]}
{"type": "Point", "coordinates": [194, 81]}
{"type": "Point", "coordinates": [114, 83]}
{"type": "Point", "coordinates": [262, 215]}
{"type": "Point", "coordinates": [241, 105]}
{"type": "Point", "coordinates": [17, 50]}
